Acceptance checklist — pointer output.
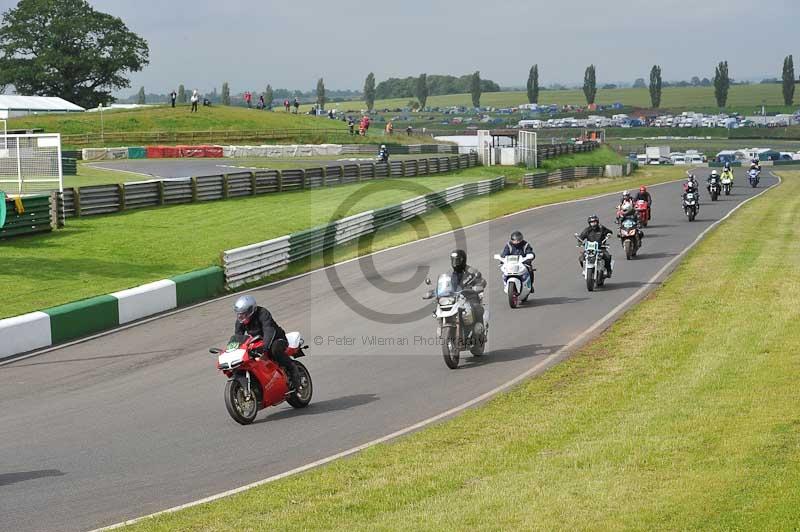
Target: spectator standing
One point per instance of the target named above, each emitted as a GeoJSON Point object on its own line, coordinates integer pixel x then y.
{"type": "Point", "coordinates": [366, 125]}
{"type": "Point", "coordinates": [409, 130]}
{"type": "Point", "coordinates": [248, 98]}
{"type": "Point", "coordinates": [261, 102]}
{"type": "Point", "coordinates": [194, 99]}
{"type": "Point", "coordinates": [389, 128]}
{"type": "Point", "coordinates": [352, 125]}
{"type": "Point", "coordinates": [296, 105]}
{"type": "Point", "coordinates": [173, 96]}
{"type": "Point", "coordinates": [286, 104]}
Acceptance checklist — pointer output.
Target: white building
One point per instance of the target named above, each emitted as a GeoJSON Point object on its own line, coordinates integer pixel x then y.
{"type": "Point", "coordinates": [15, 105]}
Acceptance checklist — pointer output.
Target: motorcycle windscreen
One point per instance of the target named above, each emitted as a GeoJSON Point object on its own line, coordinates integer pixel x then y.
{"type": "Point", "coordinates": [235, 341]}
{"type": "Point", "coordinates": [444, 285]}
{"type": "Point", "coordinates": [628, 223]}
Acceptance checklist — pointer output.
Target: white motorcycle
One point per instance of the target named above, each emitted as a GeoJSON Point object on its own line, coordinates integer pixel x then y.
{"type": "Point", "coordinates": [517, 278]}
{"type": "Point", "coordinates": [458, 327]}
{"type": "Point", "coordinates": [594, 266]}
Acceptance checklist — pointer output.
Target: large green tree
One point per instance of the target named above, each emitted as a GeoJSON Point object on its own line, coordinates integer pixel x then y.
{"type": "Point", "coordinates": [475, 89]}
{"type": "Point", "coordinates": [590, 84]}
{"type": "Point", "coordinates": [533, 84]}
{"type": "Point", "coordinates": [181, 93]}
{"type": "Point", "coordinates": [321, 99]}
{"type": "Point", "coordinates": [788, 80]}
{"type": "Point", "coordinates": [66, 48]}
{"type": "Point", "coordinates": [655, 86]}
{"type": "Point", "coordinates": [722, 83]}
{"type": "Point", "coordinates": [422, 90]}
{"type": "Point", "coordinates": [369, 91]}
{"type": "Point", "coordinates": [141, 99]}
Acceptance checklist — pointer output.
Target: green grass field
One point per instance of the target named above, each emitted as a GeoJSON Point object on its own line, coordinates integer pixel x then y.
{"type": "Point", "coordinates": [743, 98]}
{"type": "Point", "coordinates": [682, 416]}
{"type": "Point", "coordinates": [164, 118]}
{"type": "Point", "coordinates": [599, 157]}
{"type": "Point", "coordinates": [98, 255]}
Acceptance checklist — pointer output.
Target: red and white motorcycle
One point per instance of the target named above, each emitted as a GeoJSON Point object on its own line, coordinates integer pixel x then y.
{"type": "Point", "coordinates": [255, 381]}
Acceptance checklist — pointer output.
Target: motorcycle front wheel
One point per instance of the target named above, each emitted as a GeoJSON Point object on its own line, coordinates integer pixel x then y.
{"type": "Point", "coordinates": [301, 398]}
{"type": "Point", "coordinates": [590, 279]}
{"type": "Point", "coordinates": [628, 246]}
{"type": "Point", "coordinates": [450, 349]}
{"type": "Point", "coordinates": [513, 296]}
{"type": "Point", "coordinates": [240, 409]}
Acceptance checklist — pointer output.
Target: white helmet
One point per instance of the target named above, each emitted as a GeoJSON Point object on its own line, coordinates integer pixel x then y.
{"type": "Point", "coordinates": [713, 173]}
{"type": "Point", "coordinates": [383, 146]}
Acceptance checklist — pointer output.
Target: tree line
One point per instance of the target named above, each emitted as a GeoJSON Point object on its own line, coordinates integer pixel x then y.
{"type": "Point", "coordinates": [83, 55]}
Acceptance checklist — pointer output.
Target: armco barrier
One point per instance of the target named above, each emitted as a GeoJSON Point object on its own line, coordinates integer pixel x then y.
{"type": "Point", "coordinates": [555, 177]}
{"type": "Point", "coordinates": [89, 316]}
{"type": "Point", "coordinates": [256, 261]}
{"type": "Point", "coordinates": [104, 199]}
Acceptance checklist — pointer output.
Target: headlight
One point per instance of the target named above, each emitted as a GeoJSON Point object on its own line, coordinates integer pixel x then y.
{"type": "Point", "coordinates": [446, 301]}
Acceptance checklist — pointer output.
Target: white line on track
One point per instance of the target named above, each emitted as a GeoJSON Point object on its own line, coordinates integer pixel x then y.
{"type": "Point", "coordinates": [548, 361]}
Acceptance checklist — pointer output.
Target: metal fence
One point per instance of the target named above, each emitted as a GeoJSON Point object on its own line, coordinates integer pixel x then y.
{"type": "Point", "coordinates": [104, 199]}
{"type": "Point", "coordinates": [256, 261]}
{"type": "Point", "coordinates": [30, 163]}
{"type": "Point", "coordinates": [544, 179]}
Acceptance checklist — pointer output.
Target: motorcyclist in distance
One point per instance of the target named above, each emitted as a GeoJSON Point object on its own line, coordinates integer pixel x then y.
{"type": "Point", "coordinates": [383, 154]}
{"type": "Point", "coordinates": [645, 195]}
{"type": "Point", "coordinates": [691, 184]}
{"type": "Point", "coordinates": [727, 172]}
{"type": "Point", "coordinates": [257, 321]}
{"type": "Point", "coordinates": [517, 245]}
{"type": "Point", "coordinates": [596, 232]}
{"type": "Point", "coordinates": [714, 176]}
{"type": "Point", "coordinates": [626, 198]}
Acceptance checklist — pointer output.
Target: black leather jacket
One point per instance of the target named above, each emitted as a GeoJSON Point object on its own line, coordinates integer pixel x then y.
{"type": "Point", "coordinates": [261, 324]}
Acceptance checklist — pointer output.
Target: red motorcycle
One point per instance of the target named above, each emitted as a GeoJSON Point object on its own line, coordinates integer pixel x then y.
{"type": "Point", "coordinates": [255, 381]}
{"type": "Point", "coordinates": [642, 211]}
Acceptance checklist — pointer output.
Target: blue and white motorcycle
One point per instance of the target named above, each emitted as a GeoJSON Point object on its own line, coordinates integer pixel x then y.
{"type": "Point", "coordinates": [517, 278]}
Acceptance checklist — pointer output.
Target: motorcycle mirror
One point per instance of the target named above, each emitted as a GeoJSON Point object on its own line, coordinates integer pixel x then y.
{"type": "Point", "coordinates": [215, 351]}
{"type": "Point", "coordinates": [497, 256]}
{"type": "Point", "coordinates": [428, 280]}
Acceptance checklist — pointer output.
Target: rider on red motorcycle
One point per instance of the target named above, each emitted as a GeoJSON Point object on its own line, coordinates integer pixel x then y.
{"type": "Point", "coordinates": [645, 195]}
{"type": "Point", "coordinates": [257, 321]}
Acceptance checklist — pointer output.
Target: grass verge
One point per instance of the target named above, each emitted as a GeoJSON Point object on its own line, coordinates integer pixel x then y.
{"type": "Point", "coordinates": [683, 415]}
{"type": "Point", "coordinates": [99, 255]}
{"type": "Point", "coordinates": [600, 157]}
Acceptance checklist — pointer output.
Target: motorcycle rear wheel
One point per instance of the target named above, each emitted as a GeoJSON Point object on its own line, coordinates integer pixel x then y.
{"type": "Point", "coordinates": [235, 402]}
{"type": "Point", "coordinates": [303, 398]}
{"type": "Point", "coordinates": [450, 351]}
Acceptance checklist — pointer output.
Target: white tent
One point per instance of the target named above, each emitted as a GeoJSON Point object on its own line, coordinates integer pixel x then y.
{"type": "Point", "coordinates": [15, 105]}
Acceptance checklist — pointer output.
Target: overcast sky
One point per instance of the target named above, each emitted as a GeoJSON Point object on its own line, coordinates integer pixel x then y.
{"type": "Point", "coordinates": [290, 44]}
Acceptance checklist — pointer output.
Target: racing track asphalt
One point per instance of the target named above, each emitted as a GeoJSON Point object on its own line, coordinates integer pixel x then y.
{"type": "Point", "coordinates": [134, 422]}
{"type": "Point", "coordinates": [177, 168]}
